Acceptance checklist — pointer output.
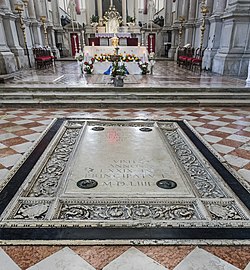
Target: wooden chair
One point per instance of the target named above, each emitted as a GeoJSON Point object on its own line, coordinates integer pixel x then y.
{"type": "Point", "coordinates": [43, 57]}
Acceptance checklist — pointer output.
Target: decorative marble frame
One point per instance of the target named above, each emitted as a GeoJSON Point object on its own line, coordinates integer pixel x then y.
{"type": "Point", "coordinates": [36, 214]}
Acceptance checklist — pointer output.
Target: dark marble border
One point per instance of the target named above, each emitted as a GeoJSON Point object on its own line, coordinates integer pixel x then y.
{"type": "Point", "coordinates": [10, 234]}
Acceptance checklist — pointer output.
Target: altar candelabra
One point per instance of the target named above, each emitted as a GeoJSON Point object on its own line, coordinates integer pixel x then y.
{"type": "Point", "coordinates": [181, 20]}
{"type": "Point", "coordinates": [43, 20]}
{"type": "Point", "coordinates": [204, 11]}
{"type": "Point", "coordinates": [19, 9]}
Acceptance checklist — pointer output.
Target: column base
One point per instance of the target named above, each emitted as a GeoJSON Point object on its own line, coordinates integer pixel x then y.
{"type": "Point", "coordinates": [231, 64]}
{"type": "Point", "coordinates": [7, 63]}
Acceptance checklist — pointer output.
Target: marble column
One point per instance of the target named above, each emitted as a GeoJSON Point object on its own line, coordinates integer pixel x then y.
{"type": "Point", "coordinates": [124, 12]}
{"type": "Point", "coordinates": [233, 54]}
{"type": "Point", "coordinates": [7, 59]}
{"type": "Point", "coordinates": [189, 31]}
{"type": "Point", "coordinates": [136, 12]}
{"type": "Point", "coordinates": [35, 24]}
{"type": "Point", "coordinates": [87, 12]}
{"type": "Point", "coordinates": [57, 32]}
{"type": "Point", "coordinates": [99, 8]}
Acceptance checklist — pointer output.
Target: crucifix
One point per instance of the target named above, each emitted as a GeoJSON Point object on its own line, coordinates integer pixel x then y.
{"type": "Point", "coordinates": [111, 3]}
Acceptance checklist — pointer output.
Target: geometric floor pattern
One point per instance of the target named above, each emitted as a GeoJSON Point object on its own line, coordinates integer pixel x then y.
{"type": "Point", "coordinates": [132, 258]}
{"type": "Point", "coordinates": [158, 181]}
{"type": "Point", "coordinates": [226, 129]}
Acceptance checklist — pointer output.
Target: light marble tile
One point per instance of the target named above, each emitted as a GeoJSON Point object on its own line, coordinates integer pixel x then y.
{"type": "Point", "coordinates": [218, 123]}
{"type": "Point", "coordinates": [242, 123]}
{"type": "Point", "coordinates": [6, 263]}
{"type": "Point", "coordinates": [199, 259]}
{"type": "Point", "coordinates": [65, 259]}
{"type": "Point", "coordinates": [212, 139]}
{"type": "Point", "coordinates": [134, 259]}
{"type": "Point", "coordinates": [247, 129]}
{"type": "Point", "coordinates": [223, 148]}
{"type": "Point", "coordinates": [210, 117]}
{"type": "Point", "coordinates": [31, 137]}
{"type": "Point", "coordinates": [238, 138]}
{"type": "Point", "coordinates": [203, 130]}
{"type": "Point", "coordinates": [236, 161]}
{"type": "Point", "coordinates": [22, 148]}
{"type": "Point", "coordinates": [196, 123]}
{"type": "Point", "coordinates": [246, 174]}
{"type": "Point", "coordinates": [10, 160]}
{"type": "Point", "coordinates": [228, 130]}
{"type": "Point", "coordinates": [248, 267]}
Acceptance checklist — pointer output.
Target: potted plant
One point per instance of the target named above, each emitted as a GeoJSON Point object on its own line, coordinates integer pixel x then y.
{"type": "Point", "coordinates": [118, 73]}
{"type": "Point", "coordinates": [144, 67]}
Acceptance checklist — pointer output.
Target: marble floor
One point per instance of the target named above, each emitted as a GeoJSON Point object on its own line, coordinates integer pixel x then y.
{"type": "Point", "coordinates": [226, 129]}
{"type": "Point", "coordinates": [165, 74]}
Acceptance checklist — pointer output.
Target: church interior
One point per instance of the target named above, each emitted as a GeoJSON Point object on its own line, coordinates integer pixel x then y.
{"type": "Point", "coordinates": [124, 134]}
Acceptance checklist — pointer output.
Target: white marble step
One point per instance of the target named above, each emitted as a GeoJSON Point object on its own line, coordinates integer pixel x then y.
{"type": "Point", "coordinates": [199, 259]}
{"type": "Point", "coordinates": [248, 267]}
{"type": "Point", "coordinates": [6, 263]}
{"type": "Point", "coordinates": [133, 259]}
{"type": "Point", "coordinates": [65, 259]}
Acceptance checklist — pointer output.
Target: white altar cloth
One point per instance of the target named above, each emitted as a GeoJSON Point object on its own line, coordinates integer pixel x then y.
{"type": "Point", "coordinates": [100, 67]}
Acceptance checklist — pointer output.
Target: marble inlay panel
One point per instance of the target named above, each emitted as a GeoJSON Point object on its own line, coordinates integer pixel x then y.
{"type": "Point", "coordinates": [134, 259]}
{"type": "Point", "coordinates": [133, 174]}
{"type": "Point", "coordinates": [200, 259]}
{"type": "Point", "coordinates": [65, 259]}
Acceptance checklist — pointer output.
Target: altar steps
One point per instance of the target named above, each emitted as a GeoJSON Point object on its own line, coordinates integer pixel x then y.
{"type": "Point", "coordinates": [121, 97]}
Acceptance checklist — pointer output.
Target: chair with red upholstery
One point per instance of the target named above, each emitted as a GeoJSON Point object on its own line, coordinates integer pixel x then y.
{"type": "Point", "coordinates": [197, 60]}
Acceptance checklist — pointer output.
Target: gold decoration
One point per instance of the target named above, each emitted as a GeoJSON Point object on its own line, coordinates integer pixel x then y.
{"type": "Point", "coordinates": [19, 9]}
{"type": "Point", "coordinates": [181, 20]}
{"type": "Point", "coordinates": [204, 11]}
{"type": "Point", "coordinates": [43, 20]}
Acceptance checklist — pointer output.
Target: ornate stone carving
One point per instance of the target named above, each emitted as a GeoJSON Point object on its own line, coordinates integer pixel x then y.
{"type": "Point", "coordinates": [225, 211]}
{"type": "Point", "coordinates": [82, 211]}
{"type": "Point", "coordinates": [47, 182]}
{"type": "Point", "coordinates": [31, 211]}
{"type": "Point", "coordinates": [203, 180]}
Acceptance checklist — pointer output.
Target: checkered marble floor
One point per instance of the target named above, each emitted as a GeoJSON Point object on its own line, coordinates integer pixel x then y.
{"type": "Point", "coordinates": [227, 130]}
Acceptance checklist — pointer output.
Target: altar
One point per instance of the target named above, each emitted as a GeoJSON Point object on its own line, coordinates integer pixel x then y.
{"type": "Point", "coordinates": [102, 62]}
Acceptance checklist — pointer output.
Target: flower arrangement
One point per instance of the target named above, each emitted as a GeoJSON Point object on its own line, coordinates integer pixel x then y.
{"type": "Point", "coordinates": [110, 57]}
{"type": "Point", "coordinates": [144, 67]}
{"type": "Point", "coordinates": [79, 56]}
{"type": "Point", "coordinates": [102, 57]}
{"type": "Point", "coordinates": [130, 58]}
{"type": "Point", "coordinates": [118, 69]}
{"type": "Point", "coordinates": [88, 66]}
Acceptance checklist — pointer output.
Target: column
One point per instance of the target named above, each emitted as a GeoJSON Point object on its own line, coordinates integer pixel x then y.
{"type": "Point", "coordinates": [233, 53]}
{"type": "Point", "coordinates": [99, 8]}
{"type": "Point", "coordinates": [35, 25]}
{"type": "Point", "coordinates": [57, 32]}
{"type": "Point", "coordinates": [7, 59]}
{"type": "Point", "coordinates": [189, 31]}
{"type": "Point", "coordinates": [87, 12]}
{"type": "Point", "coordinates": [136, 3]}
{"type": "Point", "coordinates": [3, 4]}
{"type": "Point", "coordinates": [124, 12]}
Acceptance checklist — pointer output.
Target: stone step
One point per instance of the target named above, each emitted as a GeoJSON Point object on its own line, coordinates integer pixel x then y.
{"type": "Point", "coordinates": [124, 103]}
{"type": "Point", "coordinates": [122, 95]}
{"type": "Point", "coordinates": [134, 88]}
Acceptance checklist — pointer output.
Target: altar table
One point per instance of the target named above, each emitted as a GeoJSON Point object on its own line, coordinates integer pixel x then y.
{"type": "Point", "coordinates": [100, 67]}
